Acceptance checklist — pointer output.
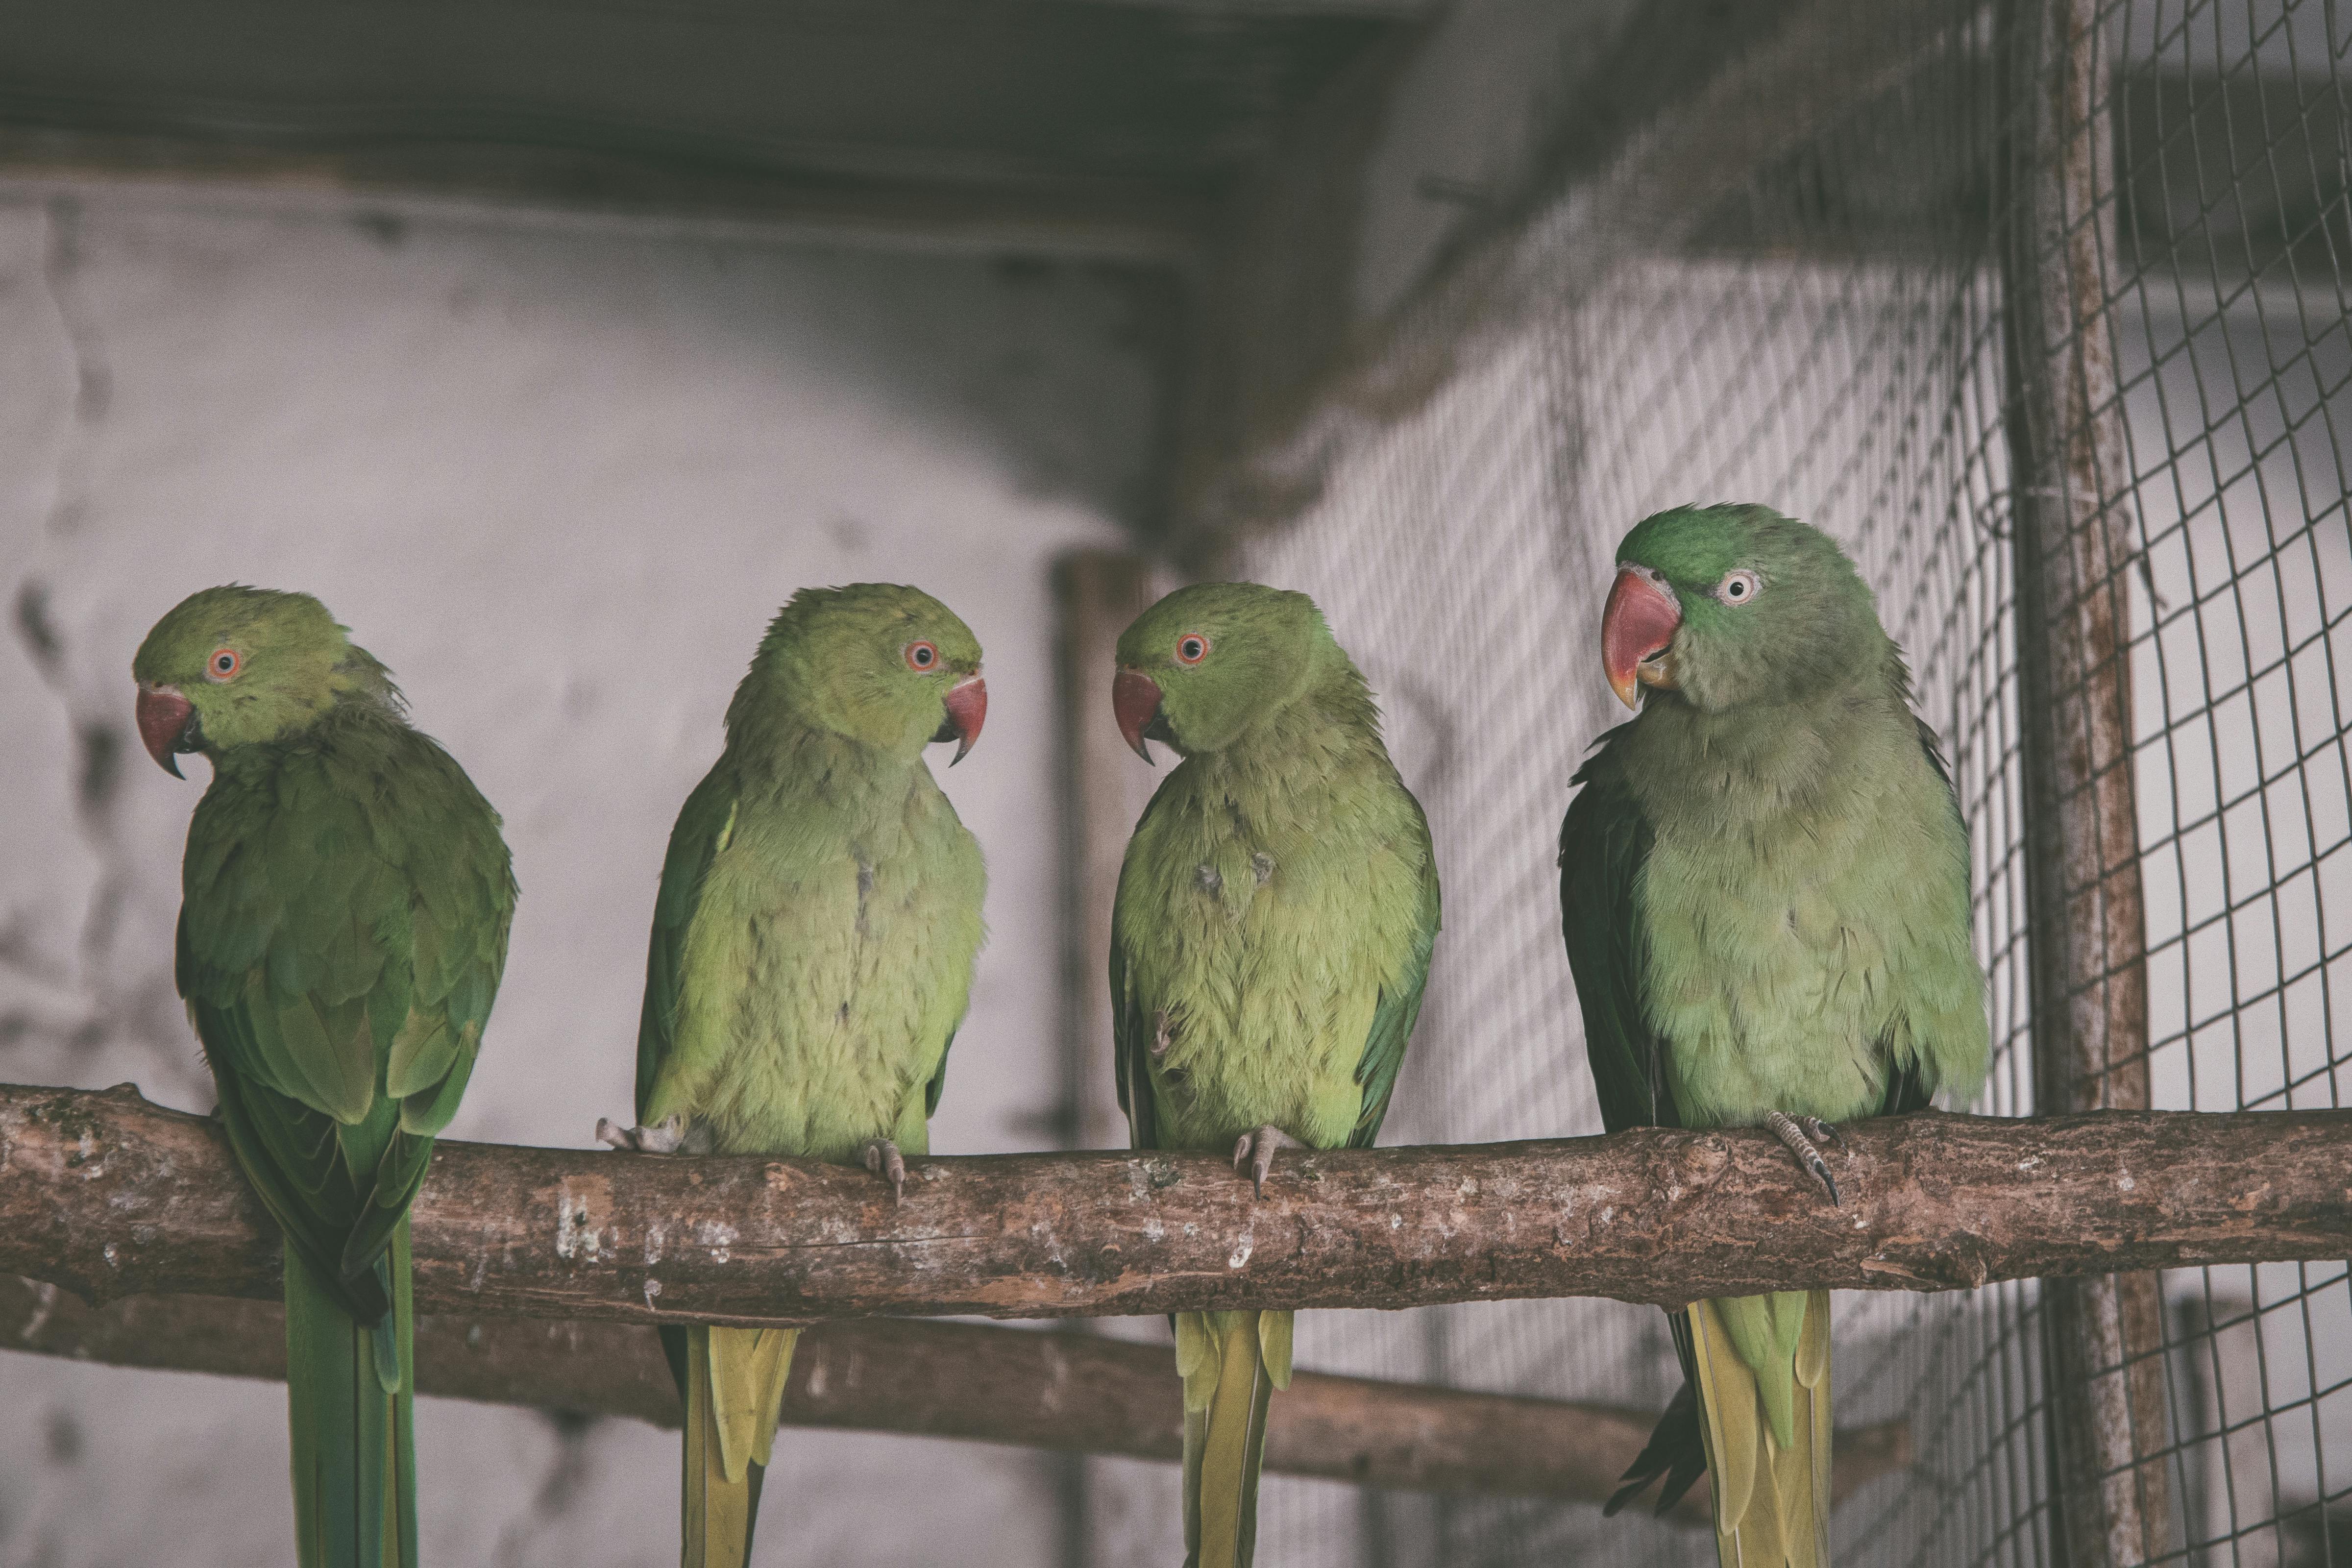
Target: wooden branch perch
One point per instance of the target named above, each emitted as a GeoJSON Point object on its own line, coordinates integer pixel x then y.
{"type": "Point", "coordinates": [107, 1195]}
{"type": "Point", "coordinates": [1076, 1392]}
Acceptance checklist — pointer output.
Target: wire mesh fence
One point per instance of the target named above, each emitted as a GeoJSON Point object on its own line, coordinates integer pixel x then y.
{"type": "Point", "coordinates": [1832, 329]}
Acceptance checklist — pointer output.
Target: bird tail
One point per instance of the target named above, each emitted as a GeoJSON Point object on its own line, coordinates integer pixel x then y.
{"type": "Point", "coordinates": [1763, 1365]}
{"type": "Point", "coordinates": [350, 1392]}
{"type": "Point", "coordinates": [734, 1391]}
{"type": "Point", "coordinates": [1232, 1362]}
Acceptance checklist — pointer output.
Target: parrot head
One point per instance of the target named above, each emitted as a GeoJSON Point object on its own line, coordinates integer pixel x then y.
{"type": "Point", "coordinates": [886, 665]}
{"type": "Point", "coordinates": [235, 665]}
{"type": "Point", "coordinates": [1207, 663]}
{"type": "Point", "coordinates": [1735, 604]}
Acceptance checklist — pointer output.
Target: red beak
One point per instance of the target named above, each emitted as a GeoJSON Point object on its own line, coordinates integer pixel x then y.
{"type": "Point", "coordinates": [163, 719]}
{"type": "Point", "coordinates": [1638, 625]}
{"type": "Point", "coordinates": [1135, 699]}
{"type": "Point", "coordinates": [967, 704]}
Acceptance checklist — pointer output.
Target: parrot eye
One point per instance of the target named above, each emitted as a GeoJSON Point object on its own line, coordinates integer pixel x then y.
{"type": "Point", "coordinates": [1191, 648]}
{"type": "Point", "coordinates": [922, 658]}
{"type": "Point", "coordinates": [224, 664]}
{"type": "Point", "coordinates": [1737, 587]}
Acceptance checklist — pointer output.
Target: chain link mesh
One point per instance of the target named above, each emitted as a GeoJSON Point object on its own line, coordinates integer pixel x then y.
{"type": "Point", "coordinates": [1827, 335]}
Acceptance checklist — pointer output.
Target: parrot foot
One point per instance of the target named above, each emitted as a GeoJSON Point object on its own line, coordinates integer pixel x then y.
{"type": "Point", "coordinates": [1257, 1147]}
{"type": "Point", "coordinates": [882, 1158]}
{"type": "Point", "coordinates": [1797, 1135]}
{"type": "Point", "coordinates": [663, 1138]}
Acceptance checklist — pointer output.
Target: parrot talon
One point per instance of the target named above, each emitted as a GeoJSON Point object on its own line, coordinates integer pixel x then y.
{"type": "Point", "coordinates": [1795, 1140]}
{"type": "Point", "coordinates": [1821, 1132]}
{"type": "Point", "coordinates": [882, 1158]}
{"type": "Point", "coordinates": [663, 1138]}
{"type": "Point", "coordinates": [1257, 1147]}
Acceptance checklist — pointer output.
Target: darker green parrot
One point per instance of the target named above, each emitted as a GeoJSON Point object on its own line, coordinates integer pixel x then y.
{"type": "Point", "coordinates": [1269, 945]}
{"type": "Point", "coordinates": [343, 924]}
{"type": "Point", "coordinates": [811, 960]}
{"type": "Point", "coordinates": [1764, 888]}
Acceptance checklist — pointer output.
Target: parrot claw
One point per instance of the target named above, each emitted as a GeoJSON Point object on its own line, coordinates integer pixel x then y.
{"type": "Point", "coordinates": [663, 1138]}
{"type": "Point", "coordinates": [882, 1158]}
{"type": "Point", "coordinates": [1257, 1147]}
{"type": "Point", "coordinates": [1798, 1140]}
{"type": "Point", "coordinates": [1821, 1132]}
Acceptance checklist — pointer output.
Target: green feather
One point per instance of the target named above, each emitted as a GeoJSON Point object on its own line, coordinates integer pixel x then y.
{"type": "Point", "coordinates": [1270, 943]}
{"type": "Point", "coordinates": [810, 960]}
{"type": "Point", "coordinates": [329, 829]}
{"type": "Point", "coordinates": [1764, 894]}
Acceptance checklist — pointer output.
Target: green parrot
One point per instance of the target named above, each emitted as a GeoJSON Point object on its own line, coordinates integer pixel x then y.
{"type": "Point", "coordinates": [342, 928]}
{"type": "Point", "coordinates": [1764, 889]}
{"type": "Point", "coordinates": [810, 960]}
{"type": "Point", "coordinates": [1269, 945]}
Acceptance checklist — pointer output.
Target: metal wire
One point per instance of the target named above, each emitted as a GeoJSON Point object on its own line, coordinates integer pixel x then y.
{"type": "Point", "coordinates": [1828, 337]}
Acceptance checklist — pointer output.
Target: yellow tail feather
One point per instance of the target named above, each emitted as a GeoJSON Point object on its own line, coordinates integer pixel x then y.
{"type": "Point", "coordinates": [1771, 1502]}
{"type": "Point", "coordinates": [1231, 1363]}
{"type": "Point", "coordinates": [734, 1392]}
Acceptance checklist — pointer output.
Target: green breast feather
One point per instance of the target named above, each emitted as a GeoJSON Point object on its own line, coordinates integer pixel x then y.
{"type": "Point", "coordinates": [810, 960]}
{"type": "Point", "coordinates": [1270, 944]}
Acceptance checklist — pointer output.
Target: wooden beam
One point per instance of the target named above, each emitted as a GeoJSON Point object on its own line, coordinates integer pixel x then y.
{"type": "Point", "coordinates": [1096, 218]}
{"type": "Point", "coordinates": [106, 1195]}
{"type": "Point", "coordinates": [1070, 1393]}
{"type": "Point", "coordinates": [2087, 926]}
{"type": "Point", "coordinates": [1096, 595]}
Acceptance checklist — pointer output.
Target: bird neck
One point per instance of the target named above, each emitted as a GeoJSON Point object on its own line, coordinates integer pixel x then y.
{"type": "Point", "coordinates": [1763, 759]}
{"type": "Point", "coordinates": [1331, 724]}
{"type": "Point", "coordinates": [354, 717]}
{"type": "Point", "coordinates": [781, 743]}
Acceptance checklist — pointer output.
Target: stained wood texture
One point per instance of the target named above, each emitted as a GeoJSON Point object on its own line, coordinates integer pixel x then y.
{"type": "Point", "coordinates": [1078, 1394]}
{"type": "Point", "coordinates": [1098, 593]}
{"type": "Point", "coordinates": [2072, 538]}
{"type": "Point", "coordinates": [108, 1194]}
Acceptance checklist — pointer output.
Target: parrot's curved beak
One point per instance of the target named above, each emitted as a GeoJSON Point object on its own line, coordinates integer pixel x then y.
{"type": "Point", "coordinates": [167, 725]}
{"type": "Point", "coordinates": [1636, 631]}
{"type": "Point", "coordinates": [967, 706]}
{"type": "Point", "coordinates": [1135, 700]}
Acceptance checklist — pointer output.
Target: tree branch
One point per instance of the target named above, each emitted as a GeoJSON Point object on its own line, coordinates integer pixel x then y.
{"type": "Point", "coordinates": [1076, 1392]}
{"type": "Point", "coordinates": [107, 1195]}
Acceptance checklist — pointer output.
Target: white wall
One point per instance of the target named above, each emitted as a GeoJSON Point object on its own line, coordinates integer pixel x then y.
{"type": "Point", "coordinates": [557, 474]}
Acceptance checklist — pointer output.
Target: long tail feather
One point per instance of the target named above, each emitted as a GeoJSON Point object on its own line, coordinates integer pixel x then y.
{"type": "Point", "coordinates": [1763, 1365]}
{"type": "Point", "coordinates": [734, 1392]}
{"type": "Point", "coordinates": [351, 1409]}
{"type": "Point", "coordinates": [1231, 1363]}
{"type": "Point", "coordinates": [1675, 1451]}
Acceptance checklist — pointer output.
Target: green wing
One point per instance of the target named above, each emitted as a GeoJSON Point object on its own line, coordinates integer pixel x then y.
{"type": "Point", "coordinates": [704, 824]}
{"type": "Point", "coordinates": [1131, 1033]}
{"type": "Point", "coordinates": [1603, 843]}
{"type": "Point", "coordinates": [1393, 1020]}
{"type": "Point", "coordinates": [1908, 1086]}
{"type": "Point", "coordinates": [939, 1079]}
{"type": "Point", "coordinates": [340, 941]}
{"type": "Point", "coordinates": [1131, 1025]}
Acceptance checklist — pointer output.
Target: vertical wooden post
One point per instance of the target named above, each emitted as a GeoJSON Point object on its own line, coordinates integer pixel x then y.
{"type": "Point", "coordinates": [2071, 509]}
{"type": "Point", "coordinates": [1096, 593]}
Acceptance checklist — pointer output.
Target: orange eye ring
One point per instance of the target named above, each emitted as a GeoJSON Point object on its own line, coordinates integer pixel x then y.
{"type": "Point", "coordinates": [224, 664]}
{"type": "Point", "coordinates": [1192, 648]}
{"type": "Point", "coordinates": [923, 657]}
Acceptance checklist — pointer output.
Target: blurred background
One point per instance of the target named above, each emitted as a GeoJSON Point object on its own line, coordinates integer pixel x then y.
{"type": "Point", "coordinates": [554, 344]}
